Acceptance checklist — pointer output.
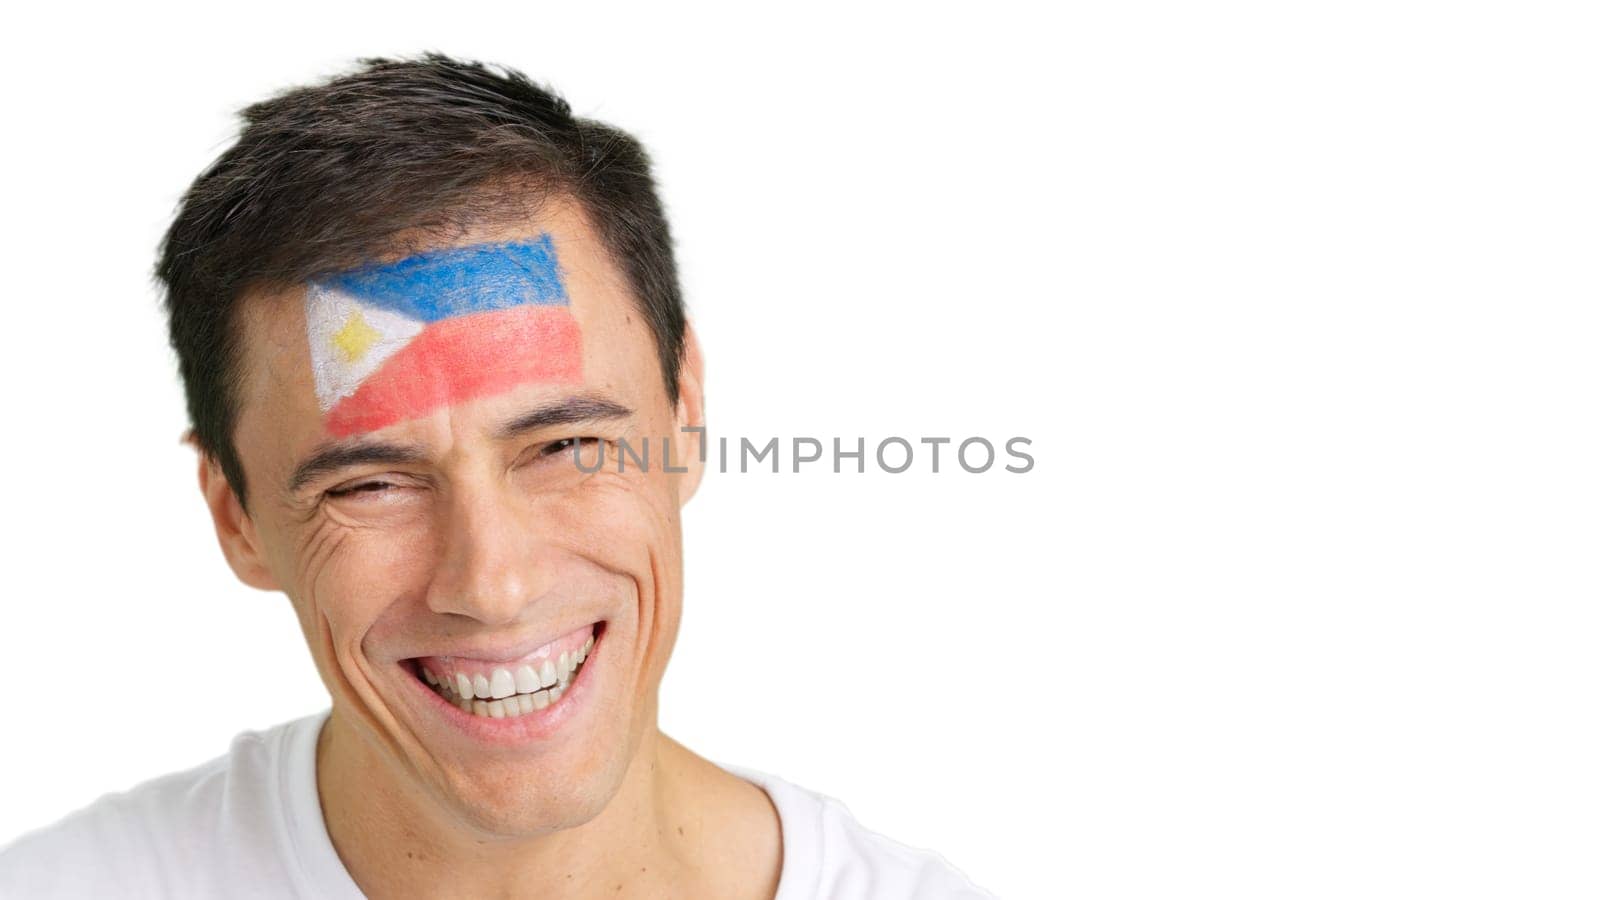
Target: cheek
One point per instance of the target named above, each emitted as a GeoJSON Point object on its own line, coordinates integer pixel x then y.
{"type": "Point", "coordinates": [624, 523]}
{"type": "Point", "coordinates": [350, 575]}
{"type": "Point", "coordinates": [627, 526]}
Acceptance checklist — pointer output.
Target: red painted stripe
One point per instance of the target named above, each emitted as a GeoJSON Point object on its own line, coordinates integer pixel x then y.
{"type": "Point", "coordinates": [464, 358]}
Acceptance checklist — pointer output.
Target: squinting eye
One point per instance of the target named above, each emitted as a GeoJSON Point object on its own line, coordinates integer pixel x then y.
{"type": "Point", "coordinates": [564, 445]}
{"type": "Point", "coordinates": [366, 487]}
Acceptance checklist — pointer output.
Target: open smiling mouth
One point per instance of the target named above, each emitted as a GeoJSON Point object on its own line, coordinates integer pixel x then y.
{"type": "Point", "coordinates": [506, 690]}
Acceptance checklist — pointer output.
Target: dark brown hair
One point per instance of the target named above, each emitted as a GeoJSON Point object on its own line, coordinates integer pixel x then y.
{"type": "Point", "coordinates": [327, 176]}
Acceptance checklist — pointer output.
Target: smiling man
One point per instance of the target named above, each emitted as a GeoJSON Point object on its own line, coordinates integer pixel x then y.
{"type": "Point", "coordinates": [412, 307]}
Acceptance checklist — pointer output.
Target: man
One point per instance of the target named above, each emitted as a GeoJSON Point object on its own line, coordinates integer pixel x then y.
{"type": "Point", "coordinates": [414, 308]}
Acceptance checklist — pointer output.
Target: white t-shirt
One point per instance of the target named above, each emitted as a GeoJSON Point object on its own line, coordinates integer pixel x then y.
{"type": "Point", "coordinates": [249, 824]}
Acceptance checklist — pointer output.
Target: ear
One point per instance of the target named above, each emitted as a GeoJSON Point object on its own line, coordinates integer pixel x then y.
{"type": "Point", "coordinates": [690, 446]}
{"type": "Point", "coordinates": [236, 532]}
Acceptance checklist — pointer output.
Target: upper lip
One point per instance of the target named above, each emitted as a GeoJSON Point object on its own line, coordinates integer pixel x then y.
{"type": "Point", "coordinates": [503, 651]}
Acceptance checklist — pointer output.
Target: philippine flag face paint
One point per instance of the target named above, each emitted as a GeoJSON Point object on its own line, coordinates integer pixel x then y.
{"type": "Point", "coordinates": [394, 341]}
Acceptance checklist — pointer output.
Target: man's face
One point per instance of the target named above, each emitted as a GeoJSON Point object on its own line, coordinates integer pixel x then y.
{"type": "Point", "coordinates": [451, 532]}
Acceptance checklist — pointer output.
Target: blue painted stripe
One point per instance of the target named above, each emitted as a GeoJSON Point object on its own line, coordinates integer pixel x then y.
{"type": "Point", "coordinates": [440, 284]}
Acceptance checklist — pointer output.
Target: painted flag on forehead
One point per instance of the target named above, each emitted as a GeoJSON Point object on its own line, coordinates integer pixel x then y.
{"type": "Point", "coordinates": [393, 341]}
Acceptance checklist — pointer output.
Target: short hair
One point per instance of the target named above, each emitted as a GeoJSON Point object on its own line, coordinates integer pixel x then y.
{"type": "Point", "coordinates": [327, 176]}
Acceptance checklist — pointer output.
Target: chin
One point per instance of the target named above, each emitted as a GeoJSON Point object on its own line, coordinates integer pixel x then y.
{"type": "Point", "coordinates": [527, 797]}
{"type": "Point", "coordinates": [534, 805]}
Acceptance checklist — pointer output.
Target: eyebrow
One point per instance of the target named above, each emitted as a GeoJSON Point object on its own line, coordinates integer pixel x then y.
{"type": "Point", "coordinates": [564, 412]}
{"type": "Point", "coordinates": [331, 456]}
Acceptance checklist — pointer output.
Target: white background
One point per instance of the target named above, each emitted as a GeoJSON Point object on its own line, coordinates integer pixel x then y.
{"type": "Point", "coordinates": [1297, 304]}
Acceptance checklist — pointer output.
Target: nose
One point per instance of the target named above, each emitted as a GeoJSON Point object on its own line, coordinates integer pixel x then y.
{"type": "Point", "coordinates": [487, 567]}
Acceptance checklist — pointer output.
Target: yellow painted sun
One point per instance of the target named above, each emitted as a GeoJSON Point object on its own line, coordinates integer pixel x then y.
{"type": "Point", "coordinates": [354, 337]}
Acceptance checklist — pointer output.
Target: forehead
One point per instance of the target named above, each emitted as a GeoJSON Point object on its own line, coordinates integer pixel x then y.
{"type": "Point", "coordinates": [495, 315]}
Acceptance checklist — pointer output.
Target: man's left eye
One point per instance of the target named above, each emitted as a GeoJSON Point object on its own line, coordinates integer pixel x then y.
{"type": "Point", "coordinates": [564, 445]}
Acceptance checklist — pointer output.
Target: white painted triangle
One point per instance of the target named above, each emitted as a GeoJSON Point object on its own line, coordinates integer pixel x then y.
{"type": "Point", "coordinates": [327, 311]}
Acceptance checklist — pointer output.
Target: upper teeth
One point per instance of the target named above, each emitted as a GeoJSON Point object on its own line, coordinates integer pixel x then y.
{"type": "Point", "coordinates": [537, 686]}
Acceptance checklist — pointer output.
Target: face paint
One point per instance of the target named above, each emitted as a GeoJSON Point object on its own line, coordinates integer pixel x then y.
{"type": "Point", "coordinates": [394, 341]}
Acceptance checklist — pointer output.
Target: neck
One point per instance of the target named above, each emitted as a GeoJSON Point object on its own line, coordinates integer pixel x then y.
{"type": "Point", "coordinates": [396, 842]}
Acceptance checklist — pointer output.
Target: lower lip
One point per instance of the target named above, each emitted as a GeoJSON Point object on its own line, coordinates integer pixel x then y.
{"type": "Point", "coordinates": [538, 725]}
